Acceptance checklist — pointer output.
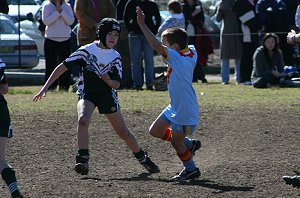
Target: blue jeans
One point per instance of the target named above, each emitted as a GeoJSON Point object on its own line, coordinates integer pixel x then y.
{"type": "Point", "coordinates": [225, 70]}
{"type": "Point", "coordinates": [139, 46]}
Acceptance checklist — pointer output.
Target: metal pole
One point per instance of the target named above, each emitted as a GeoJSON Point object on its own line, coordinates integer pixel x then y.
{"type": "Point", "coordinates": [19, 28]}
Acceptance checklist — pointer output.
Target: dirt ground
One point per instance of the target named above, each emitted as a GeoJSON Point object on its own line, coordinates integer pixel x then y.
{"type": "Point", "coordinates": [245, 153]}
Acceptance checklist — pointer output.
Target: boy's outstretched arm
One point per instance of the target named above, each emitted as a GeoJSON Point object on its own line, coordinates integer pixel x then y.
{"type": "Point", "coordinates": [155, 44]}
{"type": "Point", "coordinates": [59, 70]}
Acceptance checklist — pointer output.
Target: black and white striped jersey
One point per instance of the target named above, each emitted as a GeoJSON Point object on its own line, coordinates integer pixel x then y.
{"type": "Point", "coordinates": [93, 62]}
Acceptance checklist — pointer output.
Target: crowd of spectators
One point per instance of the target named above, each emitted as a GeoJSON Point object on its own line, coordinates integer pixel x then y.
{"type": "Point", "coordinates": [243, 26]}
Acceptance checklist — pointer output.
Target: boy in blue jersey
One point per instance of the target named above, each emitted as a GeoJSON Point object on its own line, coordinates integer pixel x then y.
{"type": "Point", "coordinates": [180, 118]}
{"type": "Point", "coordinates": [100, 76]}
{"type": "Point", "coordinates": [7, 172]}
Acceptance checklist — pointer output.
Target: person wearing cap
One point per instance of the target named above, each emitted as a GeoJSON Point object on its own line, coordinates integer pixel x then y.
{"type": "Point", "coordinates": [7, 172]}
{"type": "Point", "coordinates": [100, 76]}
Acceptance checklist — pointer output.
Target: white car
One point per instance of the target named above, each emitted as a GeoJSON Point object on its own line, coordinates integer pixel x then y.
{"type": "Point", "coordinates": [17, 49]}
{"type": "Point", "coordinates": [26, 7]}
{"type": "Point", "coordinates": [30, 28]}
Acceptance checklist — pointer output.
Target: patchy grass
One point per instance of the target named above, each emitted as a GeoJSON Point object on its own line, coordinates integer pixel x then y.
{"type": "Point", "coordinates": [209, 95]}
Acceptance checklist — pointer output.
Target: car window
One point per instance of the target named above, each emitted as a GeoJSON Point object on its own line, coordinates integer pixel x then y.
{"type": "Point", "coordinates": [7, 28]}
{"type": "Point", "coordinates": [22, 2]}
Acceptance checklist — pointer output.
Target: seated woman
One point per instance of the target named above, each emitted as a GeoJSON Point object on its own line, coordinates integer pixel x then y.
{"type": "Point", "coordinates": [267, 63]}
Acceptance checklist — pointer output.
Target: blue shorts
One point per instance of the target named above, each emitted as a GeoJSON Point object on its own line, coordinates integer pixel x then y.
{"type": "Point", "coordinates": [186, 129]}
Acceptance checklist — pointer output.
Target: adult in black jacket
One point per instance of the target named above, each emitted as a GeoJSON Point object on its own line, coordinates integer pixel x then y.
{"type": "Point", "coordinates": [273, 16]}
{"type": "Point", "coordinates": [120, 6]}
{"type": "Point", "coordinates": [250, 27]}
{"type": "Point", "coordinates": [137, 42]}
{"type": "Point", "coordinates": [194, 15]}
{"type": "Point", "coordinates": [291, 6]}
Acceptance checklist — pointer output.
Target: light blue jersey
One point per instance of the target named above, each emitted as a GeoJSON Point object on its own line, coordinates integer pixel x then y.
{"type": "Point", "coordinates": [183, 108]}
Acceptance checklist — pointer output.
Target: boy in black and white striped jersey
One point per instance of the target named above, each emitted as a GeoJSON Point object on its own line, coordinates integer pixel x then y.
{"type": "Point", "coordinates": [7, 172]}
{"type": "Point", "coordinates": [100, 76]}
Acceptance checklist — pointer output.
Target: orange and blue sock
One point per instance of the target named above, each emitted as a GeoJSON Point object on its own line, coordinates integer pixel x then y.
{"type": "Point", "coordinates": [168, 136]}
{"type": "Point", "coordinates": [187, 160]}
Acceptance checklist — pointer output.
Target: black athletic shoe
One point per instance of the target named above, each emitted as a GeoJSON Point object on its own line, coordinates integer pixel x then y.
{"type": "Point", "coordinates": [292, 180]}
{"type": "Point", "coordinates": [149, 165]}
{"type": "Point", "coordinates": [204, 80]}
{"type": "Point", "coordinates": [196, 145]}
{"type": "Point", "coordinates": [185, 175]}
{"type": "Point", "coordinates": [82, 165]}
{"type": "Point", "coordinates": [19, 196]}
{"type": "Point", "coordinates": [150, 88]}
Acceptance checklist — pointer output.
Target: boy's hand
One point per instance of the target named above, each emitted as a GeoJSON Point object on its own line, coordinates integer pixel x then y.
{"type": "Point", "coordinates": [140, 17]}
{"type": "Point", "coordinates": [39, 96]}
{"type": "Point", "coordinates": [105, 77]}
{"type": "Point", "coordinates": [112, 83]}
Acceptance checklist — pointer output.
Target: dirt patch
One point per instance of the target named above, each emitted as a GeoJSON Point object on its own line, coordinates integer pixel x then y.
{"type": "Point", "coordinates": [245, 153]}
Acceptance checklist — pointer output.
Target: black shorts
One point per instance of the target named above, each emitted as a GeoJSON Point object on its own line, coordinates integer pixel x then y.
{"type": "Point", "coordinates": [5, 127]}
{"type": "Point", "coordinates": [106, 103]}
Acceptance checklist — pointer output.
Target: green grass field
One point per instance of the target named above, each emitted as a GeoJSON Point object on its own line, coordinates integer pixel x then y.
{"type": "Point", "coordinates": [209, 96]}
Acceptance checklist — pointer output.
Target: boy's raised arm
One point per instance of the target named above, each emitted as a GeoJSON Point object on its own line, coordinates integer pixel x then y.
{"type": "Point", "coordinates": [155, 44]}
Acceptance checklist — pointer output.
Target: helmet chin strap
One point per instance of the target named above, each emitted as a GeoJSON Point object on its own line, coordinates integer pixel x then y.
{"type": "Point", "coordinates": [103, 40]}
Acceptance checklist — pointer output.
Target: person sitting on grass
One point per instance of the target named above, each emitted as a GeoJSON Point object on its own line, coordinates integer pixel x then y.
{"type": "Point", "coordinates": [180, 118]}
{"type": "Point", "coordinates": [267, 63]}
{"type": "Point", "coordinates": [7, 172]}
{"type": "Point", "coordinates": [101, 72]}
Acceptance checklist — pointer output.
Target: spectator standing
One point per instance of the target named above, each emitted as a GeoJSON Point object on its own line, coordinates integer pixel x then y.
{"type": "Point", "coordinates": [267, 63]}
{"type": "Point", "coordinates": [120, 9]}
{"type": "Point", "coordinates": [291, 7]}
{"type": "Point", "coordinates": [72, 3]}
{"type": "Point", "coordinates": [176, 18]}
{"type": "Point", "coordinates": [57, 15]}
{"type": "Point", "coordinates": [273, 16]}
{"type": "Point", "coordinates": [250, 27]}
{"type": "Point", "coordinates": [7, 172]}
{"type": "Point", "coordinates": [297, 24]}
{"type": "Point", "coordinates": [297, 17]}
{"type": "Point", "coordinates": [230, 41]}
{"type": "Point", "coordinates": [194, 16]}
{"type": "Point", "coordinates": [89, 13]}
{"type": "Point", "coordinates": [138, 44]}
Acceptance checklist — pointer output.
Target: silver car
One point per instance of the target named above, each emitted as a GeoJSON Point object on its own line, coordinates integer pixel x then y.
{"type": "Point", "coordinates": [17, 49]}
{"type": "Point", "coordinates": [19, 12]}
